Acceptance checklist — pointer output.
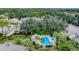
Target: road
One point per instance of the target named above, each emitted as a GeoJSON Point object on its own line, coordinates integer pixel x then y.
{"type": "Point", "coordinates": [12, 47]}
{"type": "Point", "coordinates": [73, 32]}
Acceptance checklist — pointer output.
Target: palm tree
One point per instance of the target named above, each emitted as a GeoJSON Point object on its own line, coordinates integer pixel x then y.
{"type": "Point", "coordinates": [3, 23]}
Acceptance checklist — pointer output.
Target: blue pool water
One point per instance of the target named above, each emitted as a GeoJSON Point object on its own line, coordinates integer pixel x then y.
{"type": "Point", "coordinates": [45, 41]}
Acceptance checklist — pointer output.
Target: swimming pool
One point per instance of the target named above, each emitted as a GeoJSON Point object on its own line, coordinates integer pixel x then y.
{"type": "Point", "coordinates": [46, 41]}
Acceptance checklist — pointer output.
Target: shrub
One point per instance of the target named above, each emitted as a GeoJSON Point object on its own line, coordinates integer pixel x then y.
{"type": "Point", "coordinates": [63, 43]}
{"type": "Point", "coordinates": [64, 48]}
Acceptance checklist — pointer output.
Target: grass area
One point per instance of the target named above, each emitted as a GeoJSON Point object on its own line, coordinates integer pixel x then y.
{"type": "Point", "coordinates": [23, 40]}
{"type": "Point", "coordinates": [18, 39]}
{"type": "Point", "coordinates": [63, 43]}
{"type": "Point", "coordinates": [2, 41]}
{"type": "Point", "coordinates": [2, 38]}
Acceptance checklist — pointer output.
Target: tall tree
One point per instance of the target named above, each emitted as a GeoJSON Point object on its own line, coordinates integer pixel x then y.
{"type": "Point", "coordinates": [3, 23]}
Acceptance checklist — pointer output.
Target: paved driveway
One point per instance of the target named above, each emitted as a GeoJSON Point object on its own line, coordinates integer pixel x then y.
{"type": "Point", "coordinates": [73, 32]}
{"type": "Point", "coordinates": [12, 47]}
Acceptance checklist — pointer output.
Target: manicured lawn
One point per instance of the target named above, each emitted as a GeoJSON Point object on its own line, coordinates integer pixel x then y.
{"type": "Point", "coordinates": [2, 41]}
{"type": "Point", "coordinates": [19, 38]}
{"type": "Point", "coordinates": [23, 40]}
